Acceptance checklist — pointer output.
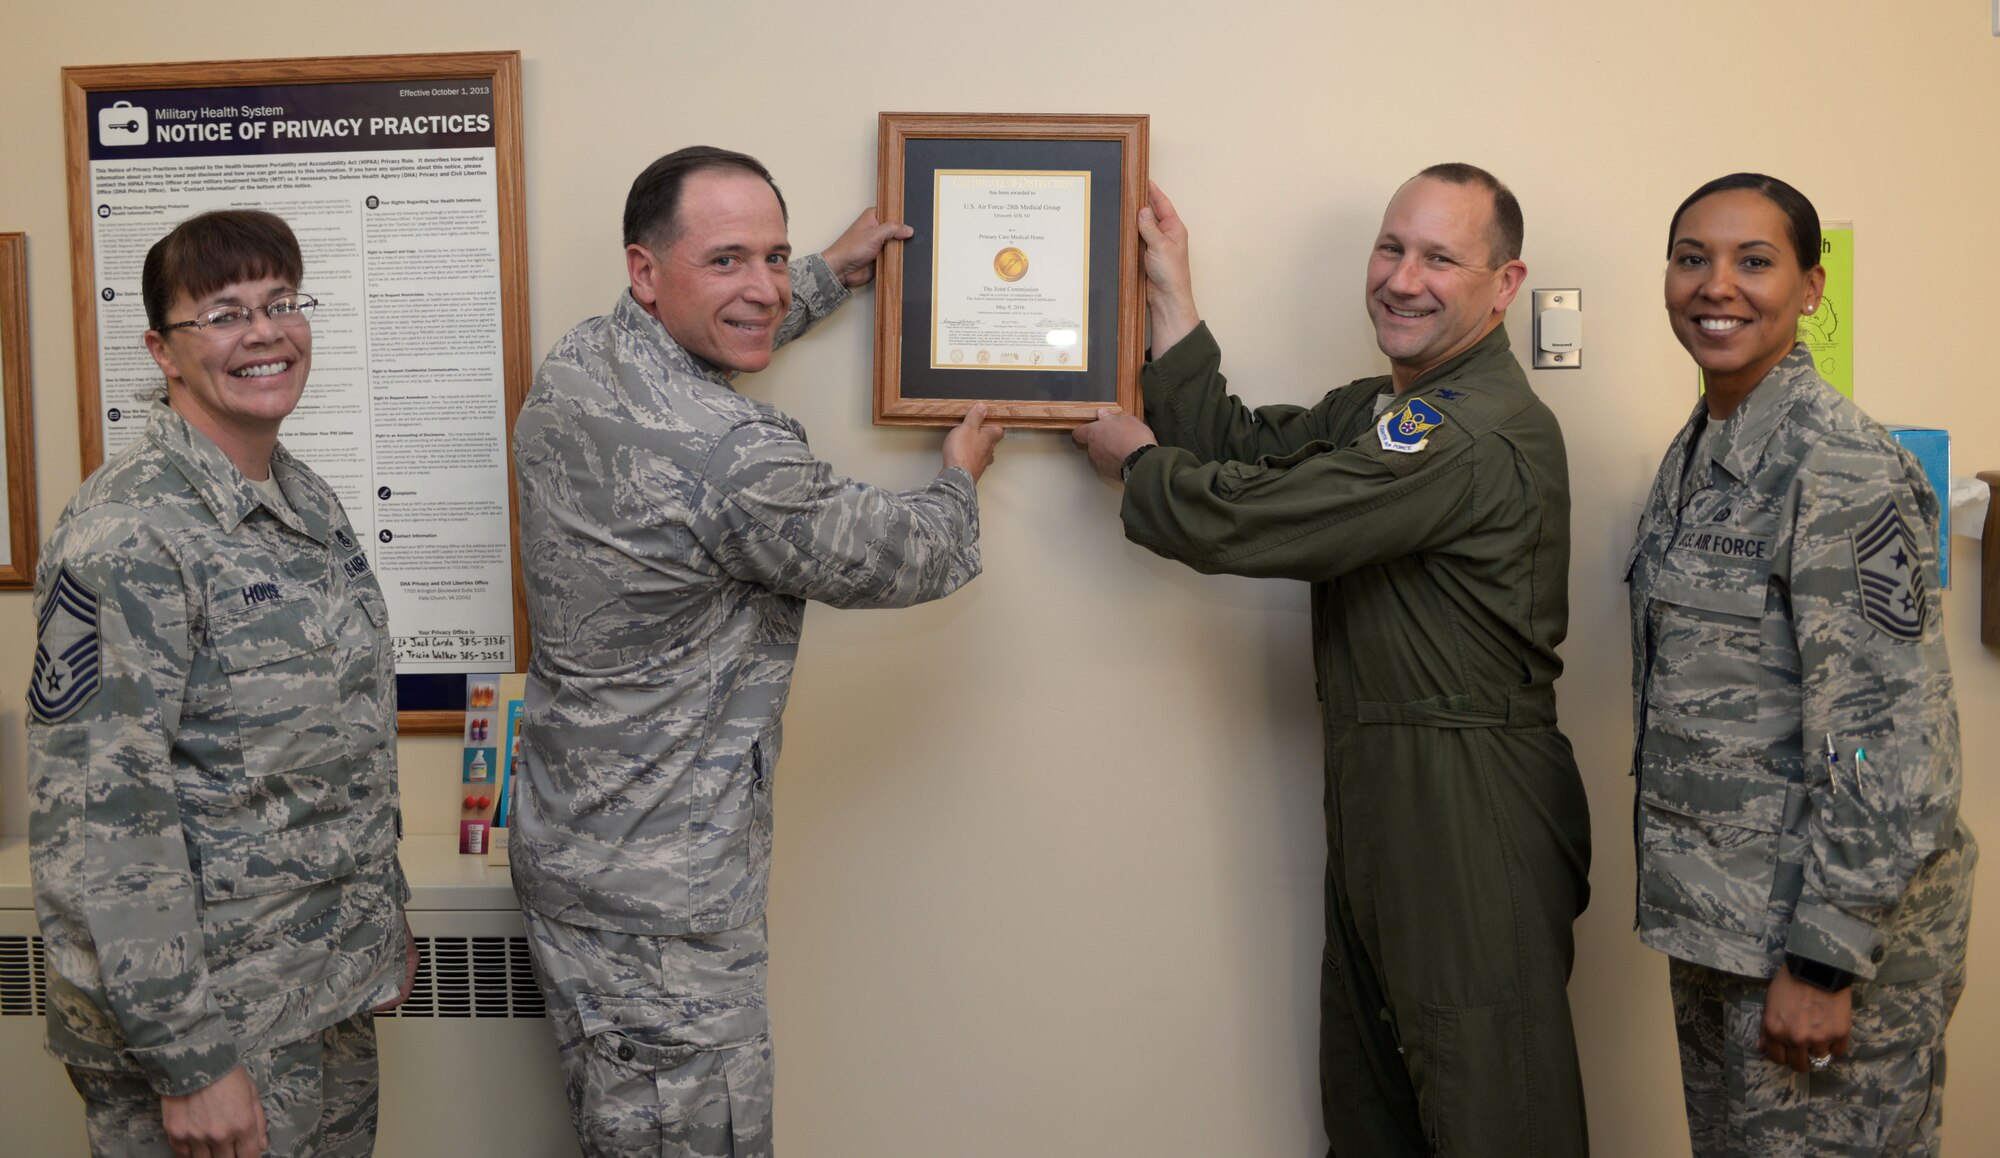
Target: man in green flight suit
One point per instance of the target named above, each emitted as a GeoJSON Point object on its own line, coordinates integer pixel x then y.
{"type": "Point", "coordinates": [1430, 511]}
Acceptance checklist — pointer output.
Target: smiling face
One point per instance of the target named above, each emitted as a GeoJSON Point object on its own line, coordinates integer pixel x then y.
{"type": "Point", "coordinates": [1432, 292]}
{"type": "Point", "coordinates": [723, 284]}
{"type": "Point", "coordinates": [235, 388]}
{"type": "Point", "coordinates": [1735, 291]}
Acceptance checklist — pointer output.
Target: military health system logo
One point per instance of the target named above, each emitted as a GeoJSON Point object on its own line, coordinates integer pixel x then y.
{"type": "Point", "coordinates": [123, 124]}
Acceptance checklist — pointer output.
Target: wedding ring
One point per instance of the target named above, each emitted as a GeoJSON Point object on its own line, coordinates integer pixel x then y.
{"type": "Point", "coordinates": [1821, 1062]}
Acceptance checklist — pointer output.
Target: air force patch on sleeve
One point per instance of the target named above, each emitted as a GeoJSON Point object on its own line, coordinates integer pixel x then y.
{"type": "Point", "coordinates": [1891, 574]}
{"type": "Point", "coordinates": [66, 651]}
{"type": "Point", "coordinates": [1407, 429]}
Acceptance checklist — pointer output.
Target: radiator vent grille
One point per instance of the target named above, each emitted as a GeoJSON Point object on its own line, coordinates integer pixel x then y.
{"type": "Point", "coordinates": [23, 987]}
{"type": "Point", "coordinates": [456, 977]}
{"type": "Point", "coordinates": [473, 977]}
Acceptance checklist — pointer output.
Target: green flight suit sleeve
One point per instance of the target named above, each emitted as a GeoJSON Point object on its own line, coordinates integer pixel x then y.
{"type": "Point", "coordinates": [1873, 681]}
{"type": "Point", "coordinates": [1315, 514]}
{"type": "Point", "coordinates": [1188, 405]}
{"type": "Point", "coordinates": [111, 852]}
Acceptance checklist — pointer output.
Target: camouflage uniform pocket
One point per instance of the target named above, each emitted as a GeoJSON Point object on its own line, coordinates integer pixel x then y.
{"type": "Point", "coordinates": [1708, 844]}
{"type": "Point", "coordinates": [699, 1066]}
{"type": "Point", "coordinates": [284, 686]}
{"type": "Point", "coordinates": [649, 1033]}
{"type": "Point", "coordinates": [257, 864]}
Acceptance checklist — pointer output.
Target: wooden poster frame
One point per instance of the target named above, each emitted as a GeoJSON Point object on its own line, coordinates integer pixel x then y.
{"type": "Point", "coordinates": [502, 70]}
{"type": "Point", "coordinates": [896, 131]}
{"type": "Point", "coordinates": [17, 411]}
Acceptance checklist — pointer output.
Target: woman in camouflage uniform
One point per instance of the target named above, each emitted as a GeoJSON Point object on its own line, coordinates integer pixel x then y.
{"type": "Point", "coordinates": [212, 746]}
{"type": "Point", "coordinates": [1800, 856]}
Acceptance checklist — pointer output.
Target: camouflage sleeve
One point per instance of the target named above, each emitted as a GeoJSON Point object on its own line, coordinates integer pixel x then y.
{"type": "Point", "coordinates": [816, 292]}
{"type": "Point", "coordinates": [109, 853]}
{"type": "Point", "coordinates": [1315, 514]}
{"type": "Point", "coordinates": [1188, 405]}
{"type": "Point", "coordinates": [783, 519]}
{"type": "Point", "coordinates": [1875, 679]}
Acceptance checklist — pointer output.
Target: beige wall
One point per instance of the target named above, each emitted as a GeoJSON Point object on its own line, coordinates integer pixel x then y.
{"type": "Point", "coordinates": [1048, 878]}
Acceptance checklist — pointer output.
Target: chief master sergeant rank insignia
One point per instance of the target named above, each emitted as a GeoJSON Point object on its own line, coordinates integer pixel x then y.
{"type": "Point", "coordinates": [66, 671]}
{"type": "Point", "coordinates": [1892, 582]}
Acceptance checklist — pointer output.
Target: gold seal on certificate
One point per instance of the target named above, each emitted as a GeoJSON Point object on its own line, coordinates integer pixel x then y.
{"type": "Point", "coordinates": [1011, 264]}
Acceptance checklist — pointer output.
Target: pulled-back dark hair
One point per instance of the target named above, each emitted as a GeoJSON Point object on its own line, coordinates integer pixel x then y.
{"type": "Point", "coordinates": [1504, 236]}
{"type": "Point", "coordinates": [1802, 220]}
{"type": "Point", "coordinates": [211, 250]}
{"type": "Point", "coordinates": [655, 200]}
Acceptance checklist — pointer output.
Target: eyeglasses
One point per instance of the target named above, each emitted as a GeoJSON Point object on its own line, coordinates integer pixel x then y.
{"type": "Point", "coordinates": [290, 311]}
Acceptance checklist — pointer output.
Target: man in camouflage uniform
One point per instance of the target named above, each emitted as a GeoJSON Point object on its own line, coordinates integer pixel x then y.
{"type": "Point", "coordinates": [1798, 771]}
{"type": "Point", "coordinates": [1430, 511]}
{"type": "Point", "coordinates": [672, 530]}
{"type": "Point", "coordinates": [212, 747]}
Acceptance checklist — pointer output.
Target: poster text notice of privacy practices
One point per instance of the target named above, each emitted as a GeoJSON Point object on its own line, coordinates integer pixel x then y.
{"type": "Point", "coordinates": [391, 188]}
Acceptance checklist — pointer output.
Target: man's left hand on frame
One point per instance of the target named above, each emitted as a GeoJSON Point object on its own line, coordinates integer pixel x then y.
{"type": "Point", "coordinates": [1110, 439]}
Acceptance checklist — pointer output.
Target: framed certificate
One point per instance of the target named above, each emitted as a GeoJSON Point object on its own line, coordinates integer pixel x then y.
{"type": "Point", "coordinates": [1020, 287]}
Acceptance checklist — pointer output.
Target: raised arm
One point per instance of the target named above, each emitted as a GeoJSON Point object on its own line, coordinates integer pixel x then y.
{"type": "Point", "coordinates": [782, 518]}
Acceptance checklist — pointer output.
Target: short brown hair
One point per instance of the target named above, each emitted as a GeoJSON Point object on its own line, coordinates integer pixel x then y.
{"type": "Point", "coordinates": [211, 250]}
{"type": "Point", "coordinates": [1506, 232]}
{"type": "Point", "coordinates": [652, 208]}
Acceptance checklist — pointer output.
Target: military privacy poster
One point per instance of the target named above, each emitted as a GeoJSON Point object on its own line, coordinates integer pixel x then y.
{"type": "Point", "coordinates": [394, 188]}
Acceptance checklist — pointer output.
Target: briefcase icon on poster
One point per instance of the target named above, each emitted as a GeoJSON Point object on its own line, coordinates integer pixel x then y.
{"type": "Point", "coordinates": [123, 124]}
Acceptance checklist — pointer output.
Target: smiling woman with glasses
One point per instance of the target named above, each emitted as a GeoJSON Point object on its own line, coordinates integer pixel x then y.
{"type": "Point", "coordinates": [212, 745]}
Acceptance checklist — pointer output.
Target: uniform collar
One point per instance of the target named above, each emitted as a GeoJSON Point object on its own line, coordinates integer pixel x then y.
{"type": "Point", "coordinates": [1494, 344]}
{"type": "Point", "coordinates": [1737, 445]}
{"type": "Point", "coordinates": [228, 495]}
{"type": "Point", "coordinates": [646, 332]}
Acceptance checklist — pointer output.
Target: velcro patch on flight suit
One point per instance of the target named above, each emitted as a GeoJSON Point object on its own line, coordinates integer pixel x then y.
{"type": "Point", "coordinates": [67, 647]}
{"type": "Point", "coordinates": [1406, 430]}
{"type": "Point", "coordinates": [1890, 574]}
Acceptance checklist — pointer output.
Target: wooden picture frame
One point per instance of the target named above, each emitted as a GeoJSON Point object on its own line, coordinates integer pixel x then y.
{"type": "Point", "coordinates": [451, 82]}
{"type": "Point", "coordinates": [1045, 330]}
{"type": "Point", "coordinates": [22, 540]}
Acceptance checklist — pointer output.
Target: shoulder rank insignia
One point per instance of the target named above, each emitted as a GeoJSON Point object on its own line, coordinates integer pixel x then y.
{"type": "Point", "coordinates": [1450, 395]}
{"type": "Point", "coordinates": [1407, 429]}
{"type": "Point", "coordinates": [66, 651]}
{"type": "Point", "coordinates": [1891, 574]}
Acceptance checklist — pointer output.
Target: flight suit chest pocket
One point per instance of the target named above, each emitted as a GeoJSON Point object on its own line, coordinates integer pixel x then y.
{"type": "Point", "coordinates": [283, 670]}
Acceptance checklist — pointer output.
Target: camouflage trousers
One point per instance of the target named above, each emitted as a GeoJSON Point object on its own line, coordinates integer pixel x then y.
{"type": "Point", "coordinates": [665, 1042]}
{"type": "Point", "coordinates": [318, 1093]}
{"type": "Point", "coordinates": [1885, 1098]}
